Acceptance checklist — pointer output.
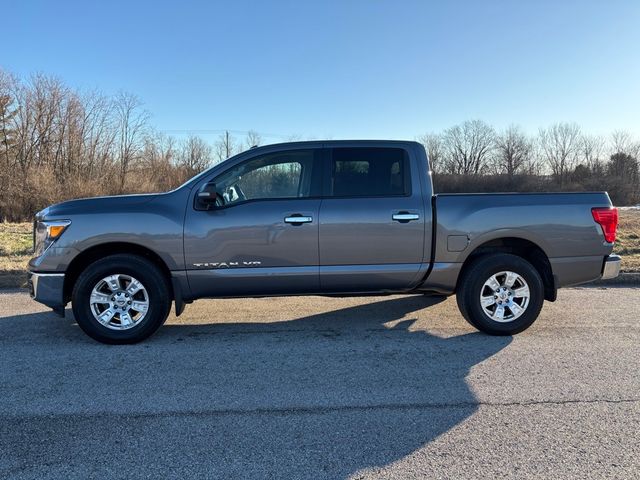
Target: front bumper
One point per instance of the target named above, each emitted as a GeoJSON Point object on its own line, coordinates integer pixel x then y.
{"type": "Point", "coordinates": [48, 289]}
{"type": "Point", "coordinates": [611, 267]}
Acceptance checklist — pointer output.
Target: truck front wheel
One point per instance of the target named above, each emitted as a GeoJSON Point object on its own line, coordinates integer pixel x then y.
{"type": "Point", "coordinates": [121, 299]}
{"type": "Point", "coordinates": [500, 294]}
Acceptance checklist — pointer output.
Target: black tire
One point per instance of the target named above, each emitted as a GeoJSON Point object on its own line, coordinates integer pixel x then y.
{"type": "Point", "coordinates": [156, 286]}
{"type": "Point", "coordinates": [471, 284]}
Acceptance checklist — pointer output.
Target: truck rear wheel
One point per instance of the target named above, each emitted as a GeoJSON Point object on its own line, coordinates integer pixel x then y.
{"type": "Point", "coordinates": [500, 294]}
{"type": "Point", "coordinates": [121, 299]}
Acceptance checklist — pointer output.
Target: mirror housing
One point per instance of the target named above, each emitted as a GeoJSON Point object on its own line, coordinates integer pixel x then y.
{"type": "Point", "coordinates": [207, 196]}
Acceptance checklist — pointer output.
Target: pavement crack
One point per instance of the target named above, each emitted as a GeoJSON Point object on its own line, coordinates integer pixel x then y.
{"type": "Point", "coordinates": [315, 410]}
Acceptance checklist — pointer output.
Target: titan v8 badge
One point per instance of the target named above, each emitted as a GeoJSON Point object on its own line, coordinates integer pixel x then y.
{"type": "Point", "coordinates": [226, 264]}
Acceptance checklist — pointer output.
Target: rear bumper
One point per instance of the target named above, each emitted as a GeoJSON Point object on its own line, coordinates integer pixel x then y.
{"type": "Point", "coordinates": [611, 267]}
{"type": "Point", "coordinates": [47, 288]}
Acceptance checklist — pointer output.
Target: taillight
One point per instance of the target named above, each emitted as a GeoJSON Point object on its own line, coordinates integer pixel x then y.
{"type": "Point", "coordinates": [607, 218]}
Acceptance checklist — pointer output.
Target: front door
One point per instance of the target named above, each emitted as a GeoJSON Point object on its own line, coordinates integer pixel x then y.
{"type": "Point", "coordinates": [372, 221]}
{"type": "Point", "coordinates": [262, 238]}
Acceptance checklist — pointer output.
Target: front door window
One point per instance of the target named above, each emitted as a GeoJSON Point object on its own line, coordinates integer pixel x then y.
{"type": "Point", "coordinates": [274, 176]}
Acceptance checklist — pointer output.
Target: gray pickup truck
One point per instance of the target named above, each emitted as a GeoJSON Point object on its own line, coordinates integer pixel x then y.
{"type": "Point", "coordinates": [317, 218]}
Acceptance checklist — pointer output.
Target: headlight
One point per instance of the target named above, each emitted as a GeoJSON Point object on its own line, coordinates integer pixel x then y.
{"type": "Point", "coordinates": [46, 232]}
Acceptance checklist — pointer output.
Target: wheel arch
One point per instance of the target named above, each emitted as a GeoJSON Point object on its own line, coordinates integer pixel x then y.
{"type": "Point", "coordinates": [520, 247]}
{"type": "Point", "coordinates": [84, 258]}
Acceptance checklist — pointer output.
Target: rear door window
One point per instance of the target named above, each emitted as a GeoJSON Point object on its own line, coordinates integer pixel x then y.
{"type": "Point", "coordinates": [369, 172]}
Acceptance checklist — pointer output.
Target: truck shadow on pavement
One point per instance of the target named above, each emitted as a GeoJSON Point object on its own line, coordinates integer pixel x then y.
{"type": "Point", "coordinates": [338, 394]}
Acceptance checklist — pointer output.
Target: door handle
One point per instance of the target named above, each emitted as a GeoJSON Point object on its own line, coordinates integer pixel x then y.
{"type": "Point", "coordinates": [298, 219]}
{"type": "Point", "coordinates": [404, 217]}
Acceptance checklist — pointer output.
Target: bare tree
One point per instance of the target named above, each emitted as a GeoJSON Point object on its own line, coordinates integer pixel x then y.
{"type": "Point", "coordinates": [225, 147]}
{"type": "Point", "coordinates": [294, 137]}
{"type": "Point", "coordinates": [513, 151]}
{"type": "Point", "coordinates": [98, 134]}
{"type": "Point", "coordinates": [47, 96]}
{"type": "Point", "coordinates": [194, 156]}
{"type": "Point", "coordinates": [434, 145]}
{"type": "Point", "coordinates": [591, 153]}
{"type": "Point", "coordinates": [560, 145]}
{"type": "Point", "coordinates": [623, 142]}
{"type": "Point", "coordinates": [156, 164]}
{"type": "Point", "coordinates": [253, 139]}
{"type": "Point", "coordinates": [7, 114]}
{"type": "Point", "coordinates": [8, 139]}
{"type": "Point", "coordinates": [131, 125]}
{"type": "Point", "coordinates": [468, 146]}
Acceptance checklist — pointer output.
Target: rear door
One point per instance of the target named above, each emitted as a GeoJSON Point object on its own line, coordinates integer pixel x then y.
{"type": "Point", "coordinates": [372, 220]}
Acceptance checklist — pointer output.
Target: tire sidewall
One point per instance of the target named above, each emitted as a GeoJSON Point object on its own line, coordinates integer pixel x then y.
{"type": "Point", "coordinates": [142, 270]}
{"type": "Point", "coordinates": [481, 272]}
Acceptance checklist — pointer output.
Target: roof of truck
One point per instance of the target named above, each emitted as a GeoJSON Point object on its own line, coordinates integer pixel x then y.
{"type": "Point", "coordinates": [340, 142]}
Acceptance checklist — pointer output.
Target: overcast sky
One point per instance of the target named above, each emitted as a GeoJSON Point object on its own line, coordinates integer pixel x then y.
{"type": "Point", "coordinates": [342, 69]}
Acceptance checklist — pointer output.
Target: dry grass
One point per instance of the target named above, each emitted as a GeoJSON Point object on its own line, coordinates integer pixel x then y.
{"type": "Point", "coordinates": [16, 247]}
{"type": "Point", "coordinates": [16, 244]}
{"type": "Point", "coordinates": [628, 242]}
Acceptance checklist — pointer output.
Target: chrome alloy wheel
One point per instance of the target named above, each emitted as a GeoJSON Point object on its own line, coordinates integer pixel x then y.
{"type": "Point", "coordinates": [505, 296]}
{"type": "Point", "coordinates": [119, 302]}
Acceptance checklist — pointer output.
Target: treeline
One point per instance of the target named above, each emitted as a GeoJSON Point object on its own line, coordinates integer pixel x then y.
{"type": "Point", "coordinates": [57, 143]}
{"type": "Point", "coordinates": [474, 157]}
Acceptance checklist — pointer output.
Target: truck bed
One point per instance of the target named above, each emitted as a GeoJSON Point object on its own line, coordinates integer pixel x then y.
{"type": "Point", "coordinates": [560, 224]}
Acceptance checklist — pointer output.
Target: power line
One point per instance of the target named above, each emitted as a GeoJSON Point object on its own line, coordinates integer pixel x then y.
{"type": "Point", "coordinates": [206, 131]}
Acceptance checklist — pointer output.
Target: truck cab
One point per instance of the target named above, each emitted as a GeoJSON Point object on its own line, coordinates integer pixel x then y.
{"type": "Point", "coordinates": [343, 217]}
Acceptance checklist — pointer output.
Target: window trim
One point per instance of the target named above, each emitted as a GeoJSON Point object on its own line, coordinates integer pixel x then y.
{"type": "Point", "coordinates": [328, 174]}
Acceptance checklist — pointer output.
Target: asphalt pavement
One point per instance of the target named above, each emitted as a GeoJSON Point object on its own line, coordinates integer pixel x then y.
{"type": "Point", "coordinates": [310, 387]}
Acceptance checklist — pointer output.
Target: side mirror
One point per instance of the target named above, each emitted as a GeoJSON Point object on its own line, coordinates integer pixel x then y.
{"type": "Point", "coordinates": [207, 197]}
